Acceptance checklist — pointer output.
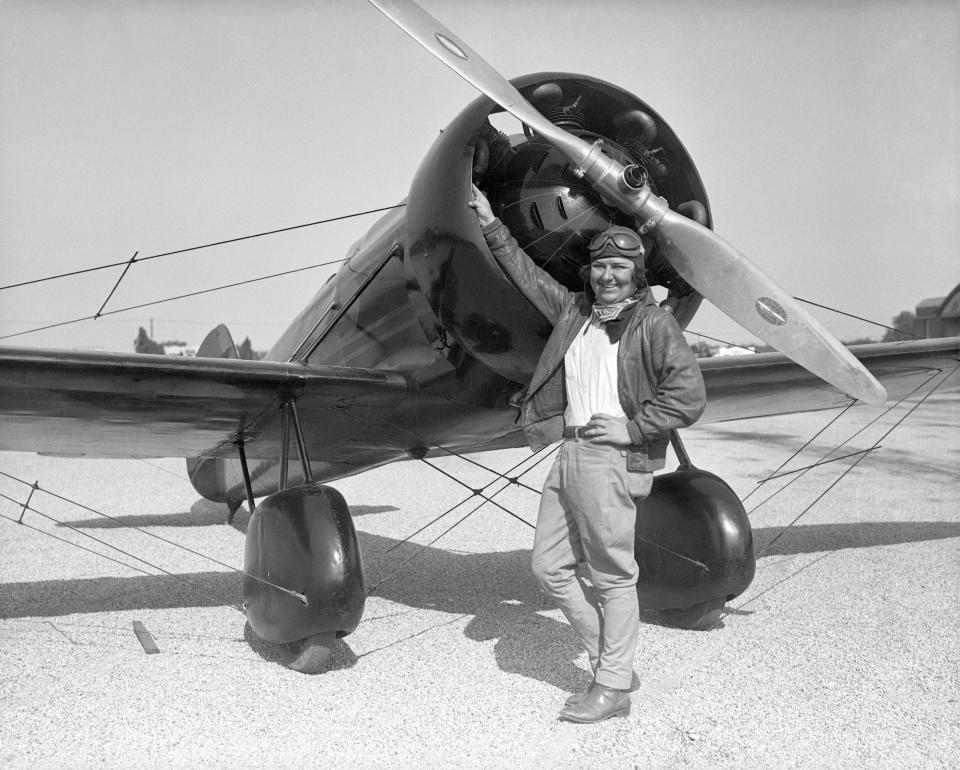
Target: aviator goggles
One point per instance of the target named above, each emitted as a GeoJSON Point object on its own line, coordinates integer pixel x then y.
{"type": "Point", "coordinates": [616, 242]}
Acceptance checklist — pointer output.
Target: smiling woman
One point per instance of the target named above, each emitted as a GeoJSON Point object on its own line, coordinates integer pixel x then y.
{"type": "Point", "coordinates": [125, 123]}
{"type": "Point", "coordinates": [613, 279]}
{"type": "Point", "coordinates": [615, 379]}
{"type": "Point", "coordinates": [616, 271]}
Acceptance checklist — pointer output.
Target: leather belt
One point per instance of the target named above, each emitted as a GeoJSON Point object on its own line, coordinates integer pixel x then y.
{"type": "Point", "coordinates": [575, 431]}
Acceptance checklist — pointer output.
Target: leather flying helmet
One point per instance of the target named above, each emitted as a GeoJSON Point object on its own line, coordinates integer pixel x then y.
{"type": "Point", "coordinates": [617, 241]}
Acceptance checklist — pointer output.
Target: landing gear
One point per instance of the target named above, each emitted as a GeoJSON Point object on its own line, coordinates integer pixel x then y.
{"type": "Point", "coordinates": [303, 575]}
{"type": "Point", "coordinates": [310, 655]}
{"type": "Point", "coordinates": [694, 547]}
{"type": "Point", "coordinates": [698, 617]}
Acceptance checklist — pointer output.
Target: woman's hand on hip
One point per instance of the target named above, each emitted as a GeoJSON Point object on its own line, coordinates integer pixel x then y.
{"type": "Point", "coordinates": [606, 429]}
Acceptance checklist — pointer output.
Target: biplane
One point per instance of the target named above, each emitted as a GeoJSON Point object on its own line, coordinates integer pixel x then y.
{"type": "Point", "coordinates": [420, 345]}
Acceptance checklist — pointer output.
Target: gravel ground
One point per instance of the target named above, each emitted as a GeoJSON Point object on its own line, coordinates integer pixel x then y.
{"type": "Point", "coordinates": [841, 654]}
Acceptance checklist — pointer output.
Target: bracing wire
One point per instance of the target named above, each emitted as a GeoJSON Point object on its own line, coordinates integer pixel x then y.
{"type": "Point", "coordinates": [202, 246]}
{"type": "Point", "coordinates": [877, 418]}
{"type": "Point", "coordinates": [77, 545]}
{"type": "Point", "coordinates": [862, 455]}
{"type": "Point", "coordinates": [115, 520]}
{"type": "Point", "coordinates": [858, 318]}
{"type": "Point", "coordinates": [134, 259]}
{"type": "Point", "coordinates": [791, 457]}
{"type": "Point", "coordinates": [423, 548]}
{"type": "Point", "coordinates": [820, 463]}
{"type": "Point", "coordinates": [505, 475]}
{"type": "Point", "coordinates": [815, 304]}
{"type": "Point", "coordinates": [296, 594]}
{"type": "Point", "coordinates": [104, 543]}
{"type": "Point", "coordinates": [480, 492]}
{"type": "Point", "coordinates": [717, 339]}
{"type": "Point", "coordinates": [171, 299]}
{"type": "Point", "coordinates": [418, 440]}
{"type": "Point", "coordinates": [475, 493]}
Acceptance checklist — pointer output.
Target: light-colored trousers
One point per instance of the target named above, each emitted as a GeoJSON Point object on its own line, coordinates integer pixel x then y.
{"type": "Point", "coordinates": [587, 511]}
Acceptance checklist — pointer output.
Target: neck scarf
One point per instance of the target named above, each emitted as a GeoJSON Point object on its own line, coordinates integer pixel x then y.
{"type": "Point", "coordinates": [614, 317]}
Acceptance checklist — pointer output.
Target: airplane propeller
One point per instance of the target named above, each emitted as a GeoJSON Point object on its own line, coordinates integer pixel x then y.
{"type": "Point", "coordinates": [705, 260]}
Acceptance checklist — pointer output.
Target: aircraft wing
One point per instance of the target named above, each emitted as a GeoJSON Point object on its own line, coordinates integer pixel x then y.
{"type": "Point", "coordinates": [82, 403]}
{"type": "Point", "coordinates": [765, 384]}
{"type": "Point", "coordinates": [97, 404]}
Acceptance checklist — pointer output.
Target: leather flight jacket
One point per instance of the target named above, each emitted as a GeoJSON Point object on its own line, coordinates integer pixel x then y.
{"type": "Point", "coordinates": [659, 383]}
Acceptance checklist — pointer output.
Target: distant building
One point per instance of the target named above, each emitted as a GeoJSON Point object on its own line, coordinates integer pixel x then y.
{"type": "Point", "coordinates": [179, 350]}
{"type": "Point", "coordinates": [939, 316]}
{"type": "Point", "coordinates": [735, 350]}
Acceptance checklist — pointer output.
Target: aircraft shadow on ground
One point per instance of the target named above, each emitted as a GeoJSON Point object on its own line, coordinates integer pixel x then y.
{"type": "Point", "coordinates": [203, 513]}
{"type": "Point", "coordinates": [811, 538]}
{"type": "Point", "coordinates": [895, 462]}
{"type": "Point", "coordinates": [496, 590]}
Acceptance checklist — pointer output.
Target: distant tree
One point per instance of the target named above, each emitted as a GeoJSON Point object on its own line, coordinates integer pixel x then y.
{"type": "Point", "coordinates": [859, 341]}
{"type": "Point", "coordinates": [245, 351]}
{"type": "Point", "coordinates": [143, 343]}
{"type": "Point", "coordinates": [903, 323]}
{"type": "Point", "coordinates": [701, 349]}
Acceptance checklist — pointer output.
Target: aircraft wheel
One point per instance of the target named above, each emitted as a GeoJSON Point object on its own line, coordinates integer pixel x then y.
{"type": "Point", "coordinates": [694, 548]}
{"type": "Point", "coordinates": [697, 617]}
{"type": "Point", "coordinates": [304, 575]}
{"type": "Point", "coordinates": [313, 654]}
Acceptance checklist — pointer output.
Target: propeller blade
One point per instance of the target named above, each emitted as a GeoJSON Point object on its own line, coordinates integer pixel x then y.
{"type": "Point", "coordinates": [707, 262]}
{"type": "Point", "coordinates": [742, 291]}
{"type": "Point", "coordinates": [473, 68]}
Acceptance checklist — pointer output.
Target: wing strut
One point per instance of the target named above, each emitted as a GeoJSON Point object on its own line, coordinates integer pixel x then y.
{"type": "Point", "coordinates": [681, 451]}
{"type": "Point", "coordinates": [288, 415]}
{"type": "Point", "coordinates": [301, 444]}
{"type": "Point", "coordinates": [284, 445]}
{"type": "Point", "coordinates": [247, 483]}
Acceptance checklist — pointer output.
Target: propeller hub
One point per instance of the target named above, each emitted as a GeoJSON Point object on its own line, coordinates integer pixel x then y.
{"type": "Point", "coordinates": [634, 176]}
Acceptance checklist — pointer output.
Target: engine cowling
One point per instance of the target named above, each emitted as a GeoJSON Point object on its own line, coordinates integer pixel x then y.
{"type": "Point", "coordinates": [551, 212]}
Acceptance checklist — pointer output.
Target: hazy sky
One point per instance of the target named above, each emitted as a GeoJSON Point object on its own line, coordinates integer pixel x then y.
{"type": "Point", "coordinates": [827, 135]}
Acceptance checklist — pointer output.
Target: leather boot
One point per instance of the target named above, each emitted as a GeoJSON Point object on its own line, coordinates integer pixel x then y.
{"type": "Point", "coordinates": [597, 704]}
{"type": "Point", "coordinates": [579, 696]}
{"type": "Point", "coordinates": [576, 697]}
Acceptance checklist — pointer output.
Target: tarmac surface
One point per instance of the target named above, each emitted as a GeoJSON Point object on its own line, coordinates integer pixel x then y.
{"type": "Point", "coordinates": [842, 653]}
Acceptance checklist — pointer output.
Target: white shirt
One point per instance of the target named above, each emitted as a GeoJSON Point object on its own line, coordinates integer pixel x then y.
{"type": "Point", "coordinates": [590, 369]}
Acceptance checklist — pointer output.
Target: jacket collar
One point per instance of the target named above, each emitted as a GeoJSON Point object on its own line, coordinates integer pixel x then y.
{"type": "Point", "coordinates": [585, 310]}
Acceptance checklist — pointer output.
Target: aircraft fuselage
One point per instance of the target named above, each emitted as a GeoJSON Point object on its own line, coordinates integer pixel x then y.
{"type": "Point", "coordinates": [420, 293]}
